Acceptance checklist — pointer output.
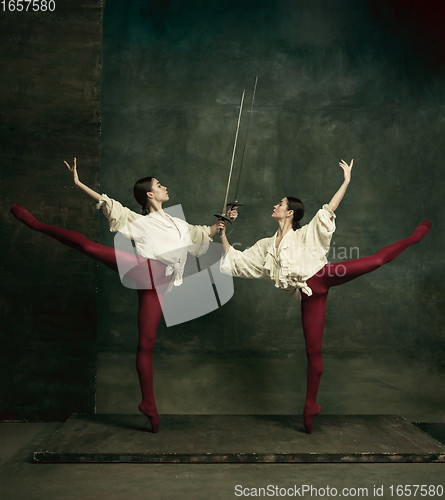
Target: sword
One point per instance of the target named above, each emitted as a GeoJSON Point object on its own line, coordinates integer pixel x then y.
{"type": "Point", "coordinates": [236, 203]}
{"type": "Point", "coordinates": [223, 215]}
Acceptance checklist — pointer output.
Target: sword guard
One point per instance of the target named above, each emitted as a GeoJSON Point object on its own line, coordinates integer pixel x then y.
{"type": "Point", "coordinates": [224, 218]}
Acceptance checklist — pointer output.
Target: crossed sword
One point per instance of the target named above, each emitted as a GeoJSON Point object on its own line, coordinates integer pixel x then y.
{"type": "Point", "coordinates": [236, 203]}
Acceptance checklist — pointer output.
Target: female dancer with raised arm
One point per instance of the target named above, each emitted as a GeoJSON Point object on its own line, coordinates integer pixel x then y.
{"type": "Point", "coordinates": [163, 253]}
{"type": "Point", "coordinates": [294, 259]}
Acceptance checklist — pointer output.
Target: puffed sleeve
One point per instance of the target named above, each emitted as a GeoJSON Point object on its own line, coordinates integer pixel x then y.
{"type": "Point", "coordinates": [200, 236]}
{"type": "Point", "coordinates": [118, 216]}
{"type": "Point", "coordinates": [247, 264]}
{"type": "Point", "coordinates": [319, 232]}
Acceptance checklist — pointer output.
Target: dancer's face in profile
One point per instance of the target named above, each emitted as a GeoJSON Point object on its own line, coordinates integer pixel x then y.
{"type": "Point", "coordinates": [281, 211]}
{"type": "Point", "coordinates": [158, 192]}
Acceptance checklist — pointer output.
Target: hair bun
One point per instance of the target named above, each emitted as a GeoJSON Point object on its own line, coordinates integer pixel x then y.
{"type": "Point", "coordinates": [298, 207]}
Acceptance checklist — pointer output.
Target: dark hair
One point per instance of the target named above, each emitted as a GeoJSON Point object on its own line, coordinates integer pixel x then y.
{"type": "Point", "coordinates": [298, 207]}
{"type": "Point", "coordinates": [141, 187]}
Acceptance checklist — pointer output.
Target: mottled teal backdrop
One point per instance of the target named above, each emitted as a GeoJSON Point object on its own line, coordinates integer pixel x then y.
{"type": "Point", "coordinates": [344, 79]}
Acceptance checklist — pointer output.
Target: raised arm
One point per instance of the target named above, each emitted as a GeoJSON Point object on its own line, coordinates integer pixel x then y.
{"type": "Point", "coordinates": [90, 192]}
{"type": "Point", "coordinates": [118, 216]}
{"type": "Point", "coordinates": [221, 228]}
{"type": "Point", "coordinates": [338, 196]}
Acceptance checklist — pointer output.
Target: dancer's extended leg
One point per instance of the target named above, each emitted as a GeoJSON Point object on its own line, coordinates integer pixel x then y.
{"type": "Point", "coordinates": [149, 315]}
{"type": "Point", "coordinates": [138, 266]}
{"type": "Point", "coordinates": [341, 272]}
{"type": "Point", "coordinates": [145, 272]}
{"type": "Point", "coordinates": [313, 308]}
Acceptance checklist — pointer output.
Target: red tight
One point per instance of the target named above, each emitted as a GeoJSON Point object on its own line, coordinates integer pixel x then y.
{"type": "Point", "coordinates": [145, 272]}
{"type": "Point", "coordinates": [313, 308]}
{"type": "Point", "coordinates": [150, 302]}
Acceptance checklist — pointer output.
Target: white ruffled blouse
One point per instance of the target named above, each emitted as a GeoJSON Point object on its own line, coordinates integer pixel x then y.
{"type": "Point", "coordinates": [299, 256]}
{"type": "Point", "coordinates": [158, 236]}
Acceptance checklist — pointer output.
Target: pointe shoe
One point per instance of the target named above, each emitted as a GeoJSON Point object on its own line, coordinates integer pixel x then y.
{"type": "Point", "coordinates": [151, 413]}
{"type": "Point", "coordinates": [309, 413]}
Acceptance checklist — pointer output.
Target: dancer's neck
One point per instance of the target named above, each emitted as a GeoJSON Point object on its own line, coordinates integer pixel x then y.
{"type": "Point", "coordinates": [284, 226]}
{"type": "Point", "coordinates": [155, 207]}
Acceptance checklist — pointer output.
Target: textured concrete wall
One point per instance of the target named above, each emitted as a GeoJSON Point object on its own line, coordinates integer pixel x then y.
{"type": "Point", "coordinates": [344, 79]}
{"type": "Point", "coordinates": [50, 111]}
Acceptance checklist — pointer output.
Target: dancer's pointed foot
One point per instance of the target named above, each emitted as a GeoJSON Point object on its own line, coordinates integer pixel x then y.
{"type": "Point", "coordinates": [421, 231]}
{"type": "Point", "coordinates": [309, 413]}
{"type": "Point", "coordinates": [150, 411]}
{"type": "Point", "coordinates": [24, 216]}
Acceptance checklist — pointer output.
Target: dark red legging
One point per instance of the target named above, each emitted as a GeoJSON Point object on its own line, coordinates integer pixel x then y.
{"type": "Point", "coordinates": [151, 279]}
{"type": "Point", "coordinates": [150, 301]}
{"type": "Point", "coordinates": [313, 307]}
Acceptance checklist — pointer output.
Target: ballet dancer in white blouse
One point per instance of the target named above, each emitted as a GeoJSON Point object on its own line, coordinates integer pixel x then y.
{"type": "Point", "coordinates": [162, 243]}
{"type": "Point", "coordinates": [294, 259]}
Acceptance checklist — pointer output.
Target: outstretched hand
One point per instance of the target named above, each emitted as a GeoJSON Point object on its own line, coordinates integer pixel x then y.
{"type": "Point", "coordinates": [346, 169]}
{"type": "Point", "coordinates": [90, 192]}
{"type": "Point", "coordinates": [73, 171]}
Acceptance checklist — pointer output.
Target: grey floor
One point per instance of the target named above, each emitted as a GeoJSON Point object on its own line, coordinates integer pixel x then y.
{"type": "Point", "coordinates": [357, 386]}
{"type": "Point", "coordinates": [21, 479]}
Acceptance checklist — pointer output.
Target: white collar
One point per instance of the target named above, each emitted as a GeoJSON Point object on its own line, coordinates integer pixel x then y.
{"type": "Point", "coordinates": [283, 243]}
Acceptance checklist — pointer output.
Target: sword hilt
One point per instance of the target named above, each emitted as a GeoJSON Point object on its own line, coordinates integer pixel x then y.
{"type": "Point", "coordinates": [224, 218]}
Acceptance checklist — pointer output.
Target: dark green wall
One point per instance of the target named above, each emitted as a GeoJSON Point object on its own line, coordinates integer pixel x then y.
{"type": "Point", "coordinates": [344, 79]}
{"type": "Point", "coordinates": [50, 111]}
